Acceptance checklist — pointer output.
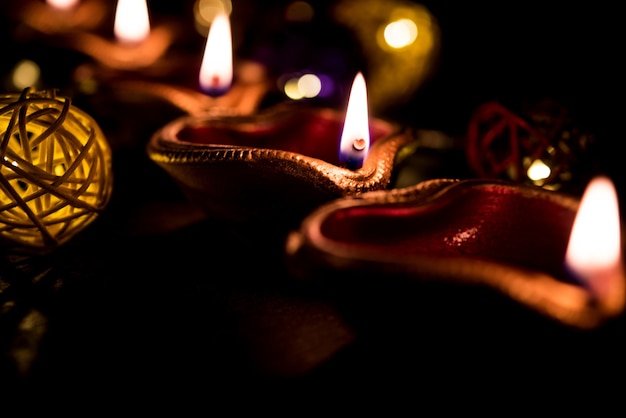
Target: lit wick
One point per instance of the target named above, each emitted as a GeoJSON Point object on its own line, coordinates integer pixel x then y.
{"type": "Point", "coordinates": [355, 138]}
{"type": "Point", "coordinates": [358, 144]}
{"type": "Point", "coordinates": [132, 21]}
{"type": "Point", "coordinates": [216, 71]}
{"type": "Point", "coordinates": [594, 254]}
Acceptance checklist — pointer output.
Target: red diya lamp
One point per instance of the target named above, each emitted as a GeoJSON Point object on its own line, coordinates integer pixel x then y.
{"type": "Point", "coordinates": [267, 168]}
{"type": "Point", "coordinates": [270, 168]}
{"type": "Point", "coordinates": [70, 24]}
{"type": "Point", "coordinates": [218, 93]}
{"type": "Point", "coordinates": [137, 45]}
{"type": "Point", "coordinates": [556, 254]}
{"type": "Point", "coordinates": [59, 17]}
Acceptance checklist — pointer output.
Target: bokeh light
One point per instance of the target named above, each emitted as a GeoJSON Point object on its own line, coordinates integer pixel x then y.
{"type": "Point", "coordinates": [538, 171]}
{"type": "Point", "coordinates": [299, 11]}
{"type": "Point", "coordinates": [400, 41]}
{"type": "Point", "coordinates": [204, 11]}
{"type": "Point", "coordinates": [26, 73]}
{"type": "Point", "coordinates": [305, 86]}
{"type": "Point", "coordinates": [400, 33]}
{"type": "Point", "coordinates": [310, 85]}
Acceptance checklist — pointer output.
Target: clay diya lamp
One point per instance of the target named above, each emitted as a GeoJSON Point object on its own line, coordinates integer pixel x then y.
{"type": "Point", "coordinates": [269, 169]}
{"type": "Point", "coordinates": [516, 239]}
{"type": "Point", "coordinates": [137, 45]}
{"type": "Point", "coordinates": [61, 17]}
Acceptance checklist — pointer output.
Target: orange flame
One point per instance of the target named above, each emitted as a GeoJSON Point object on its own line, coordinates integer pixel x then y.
{"type": "Point", "coordinates": [62, 4]}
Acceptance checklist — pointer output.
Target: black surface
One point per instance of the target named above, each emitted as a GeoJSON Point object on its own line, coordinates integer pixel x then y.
{"type": "Point", "coordinates": [154, 305]}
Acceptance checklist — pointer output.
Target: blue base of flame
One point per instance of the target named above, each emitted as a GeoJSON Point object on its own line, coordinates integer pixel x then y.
{"type": "Point", "coordinates": [352, 162]}
{"type": "Point", "coordinates": [215, 92]}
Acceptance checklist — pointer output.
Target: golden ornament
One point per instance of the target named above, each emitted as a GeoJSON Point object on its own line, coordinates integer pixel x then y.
{"type": "Point", "coordinates": [55, 169]}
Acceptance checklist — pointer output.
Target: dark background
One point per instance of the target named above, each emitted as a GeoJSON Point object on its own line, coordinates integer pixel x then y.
{"type": "Point", "coordinates": [155, 305]}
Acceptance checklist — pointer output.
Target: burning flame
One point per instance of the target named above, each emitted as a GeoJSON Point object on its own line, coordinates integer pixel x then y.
{"type": "Point", "coordinates": [216, 71]}
{"type": "Point", "coordinates": [595, 239]}
{"type": "Point", "coordinates": [355, 138]}
{"type": "Point", "coordinates": [594, 252]}
{"type": "Point", "coordinates": [62, 4]}
{"type": "Point", "coordinates": [132, 22]}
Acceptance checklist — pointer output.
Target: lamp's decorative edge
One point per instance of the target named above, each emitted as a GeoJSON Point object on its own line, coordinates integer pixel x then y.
{"type": "Point", "coordinates": [373, 175]}
{"type": "Point", "coordinates": [216, 174]}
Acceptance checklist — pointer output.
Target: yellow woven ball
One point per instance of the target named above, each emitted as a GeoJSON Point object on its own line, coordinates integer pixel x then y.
{"type": "Point", "coordinates": [55, 169]}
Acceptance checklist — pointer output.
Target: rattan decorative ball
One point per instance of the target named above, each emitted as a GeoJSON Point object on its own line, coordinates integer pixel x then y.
{"type": "Point", "coordinates": [55, 169]}
{"type": "Point", "coordinates": [541, 144]}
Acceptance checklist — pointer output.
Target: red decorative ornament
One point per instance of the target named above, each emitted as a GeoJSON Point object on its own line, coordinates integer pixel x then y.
{"type": "Point", "coordinates": [503, 144]}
